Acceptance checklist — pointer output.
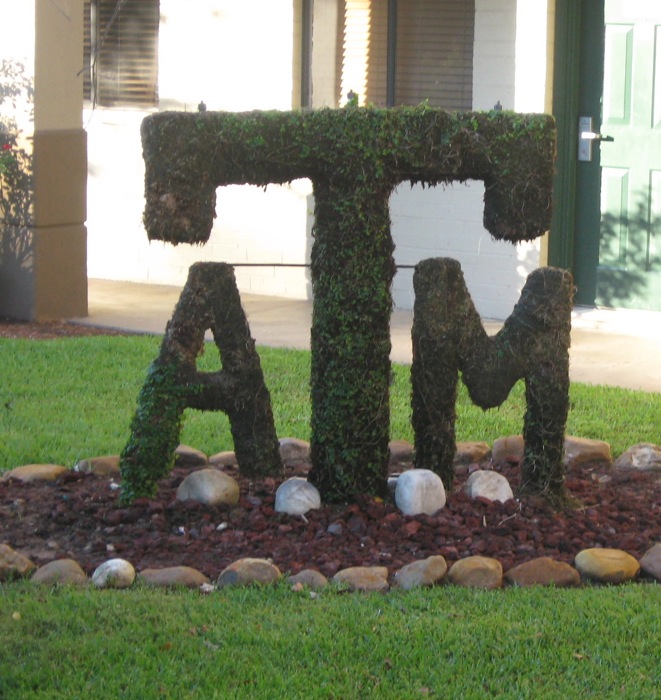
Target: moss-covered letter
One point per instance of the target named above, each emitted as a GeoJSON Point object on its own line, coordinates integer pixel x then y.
{"type": "Point", "coordinates": [448, 338]}
{"type": "Point", "coordinates": [210, 299]}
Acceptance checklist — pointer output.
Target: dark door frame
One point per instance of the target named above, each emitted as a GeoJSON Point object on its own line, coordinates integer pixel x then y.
{"type": "Point", "coordinates": [577, 87]}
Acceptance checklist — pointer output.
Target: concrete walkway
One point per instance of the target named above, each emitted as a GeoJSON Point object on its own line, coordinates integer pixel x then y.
{"type": "Point", "coordinates": [616, 348]}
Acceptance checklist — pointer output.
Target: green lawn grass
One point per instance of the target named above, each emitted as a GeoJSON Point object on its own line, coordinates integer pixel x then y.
{"type": "Point", "coordinates": [445, 642]}
{"type": "Point", "coordinates": [68, 399]}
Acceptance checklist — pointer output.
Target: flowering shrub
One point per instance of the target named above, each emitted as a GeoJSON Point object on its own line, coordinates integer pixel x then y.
{"type": "Point", "coordinates": [15, 176]}
{"type": "Point", "coordinates": [6, 157]}
{"type": "Point", "coordinates": [16, 108]}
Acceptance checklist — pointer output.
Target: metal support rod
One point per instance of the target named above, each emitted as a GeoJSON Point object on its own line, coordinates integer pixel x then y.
{"type": "Point", "coordinates": [246, 264]}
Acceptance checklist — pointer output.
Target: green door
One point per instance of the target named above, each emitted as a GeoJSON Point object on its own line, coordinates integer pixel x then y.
{"type": "Point", "coordinates": [618, 237]}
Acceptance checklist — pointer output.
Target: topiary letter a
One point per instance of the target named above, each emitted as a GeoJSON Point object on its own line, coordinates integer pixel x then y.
{"type": "Point", "coordinates": [210, 299]}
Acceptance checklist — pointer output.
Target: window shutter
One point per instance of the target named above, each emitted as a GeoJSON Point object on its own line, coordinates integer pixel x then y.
{"type": "Point", "coordinates": [433, 52]}
{"type": "Point", "coordinates": [355, 58]}
{"type": "Point", "coordinates": [434, 58]}
{"type": "Point", "coordinates": [127, 52]}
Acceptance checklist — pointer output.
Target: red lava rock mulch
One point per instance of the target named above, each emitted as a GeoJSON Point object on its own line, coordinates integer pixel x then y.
{"type": "Point", "coordinates": [79, 517]}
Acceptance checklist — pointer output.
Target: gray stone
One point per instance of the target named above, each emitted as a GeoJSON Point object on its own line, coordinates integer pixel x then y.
{"type": "Point", "coordinates": [543, 571]}
{"type": "Point", "coordinates": [392, 484]}
{"type": "Point", "coordinates": [650, 562]}
{"type": "Point", "coordinates": [107, 465]}
{"type": "Point", "coordinates": [173, 576]}
{"type": "Point", "coordinates": [294, 451]}
{"type": "Point", "coordinates": [580, 451]}
{"type": "Point", "coordinates": [186, 456]}
{"type": "Point", "coordinates": [36, 472]}
{"type": "Point", "coordinates": [223, 459]}
{"type": "Point", "coordinates": [296, 496]}
{"type": "Point", "coordinates": [508, 450]}
{"type": "Point", "coordinates": [645, 456]}
{"type": "Point", "coordinates": [61, 571]}
{"type": "Point", "coordinates": [399, 452]}
{"type": "Point", "coordinates": [364, 578]}
{"type": "Point", "coordinates": [471, 452]}
{"type": "Point", "coordinates": [490, 485]}
{"type": "Point", "coordinates": [476, 572]}
{"type": "Point", "coordinates": [209, 486]}
{"type": "Point", "coordinates": [247, 571]}
{"type": "Point", "coordinates": [419, 491]}
{"type": "Point", "coordinates": [425, 572]}
{"type": "Point", "coordinates": [606, 565]}
{"type": "Point", "coordinates": [114, 573]}
{"type": "Point", "coordinates": [310, 578]}
{"type": "Point", "coordinates": [13, 564]}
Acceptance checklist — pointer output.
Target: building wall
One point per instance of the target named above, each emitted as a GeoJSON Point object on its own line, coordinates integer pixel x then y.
{"type": "Point", "coordinates": [233, 56]}
{"type": "Point", "coordinates": [509, 67]}
{"type": "Point", "coordinates": [240, 56]}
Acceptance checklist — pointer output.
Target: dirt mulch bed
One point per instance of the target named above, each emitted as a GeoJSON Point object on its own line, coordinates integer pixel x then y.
{"type": "Point", "coordinates": [79, 516]}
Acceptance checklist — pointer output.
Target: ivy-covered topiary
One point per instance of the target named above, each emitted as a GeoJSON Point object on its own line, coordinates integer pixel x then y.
{"type": "Point", "coordinates": [209, 300]}
{"type": "Point", "coordinates": [449, 338]}
{"type": "Point", "coordinates": [354, 157]}
{"type": "Point", "coordinates": [188, 155]}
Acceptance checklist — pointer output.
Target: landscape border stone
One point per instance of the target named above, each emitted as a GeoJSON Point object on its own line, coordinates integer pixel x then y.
{"type": "Point", "coordinates": [15, 566]}
{"type": "Point", "coordinates": [473, 571]}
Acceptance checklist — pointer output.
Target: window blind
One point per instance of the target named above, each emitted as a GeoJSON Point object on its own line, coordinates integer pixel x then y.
{"type": "Point", "coordinates": [434, 55]}
{"type": "Point", "coordinates": [87, 50]}
{"type": "Point", "coordinates": [121, 48]}
{"type": "Point", "coordinates": [433, 51]}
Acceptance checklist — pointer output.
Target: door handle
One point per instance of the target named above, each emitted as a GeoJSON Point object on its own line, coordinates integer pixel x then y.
{"type": "Point", "coordinates": [592, 136]}
{"type": "Point", "coordinates": [586, 137]}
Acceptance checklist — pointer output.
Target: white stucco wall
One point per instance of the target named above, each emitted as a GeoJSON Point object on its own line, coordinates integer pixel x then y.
{"type": "Point", "coordinates": [238, 56]}
{"type": "Point", "coordinates": [18, 48]}
{"type": "Point", "coordinates": [233, 56]}
{"type": "Point", "coordinates": [509, 66]}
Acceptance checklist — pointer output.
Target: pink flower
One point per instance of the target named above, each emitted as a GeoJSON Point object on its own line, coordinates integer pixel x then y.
{"type": "Point", "coordinates": [6, 147]}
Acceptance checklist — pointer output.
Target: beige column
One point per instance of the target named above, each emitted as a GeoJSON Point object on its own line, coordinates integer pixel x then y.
{"type": "Point", "coordinates": [43, 268]}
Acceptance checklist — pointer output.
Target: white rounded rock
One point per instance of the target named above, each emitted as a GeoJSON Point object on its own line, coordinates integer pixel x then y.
{"type": "Point", "coordinates": [490, 485]}
{"type": "Point", "coordinates": [114, 573]}
{"type": "Point", "coordinates": [208, 486]}
{"type": "Point", "coordinates": [419, 491]}
{"type": "Point", "coordinates": [296, 496]}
